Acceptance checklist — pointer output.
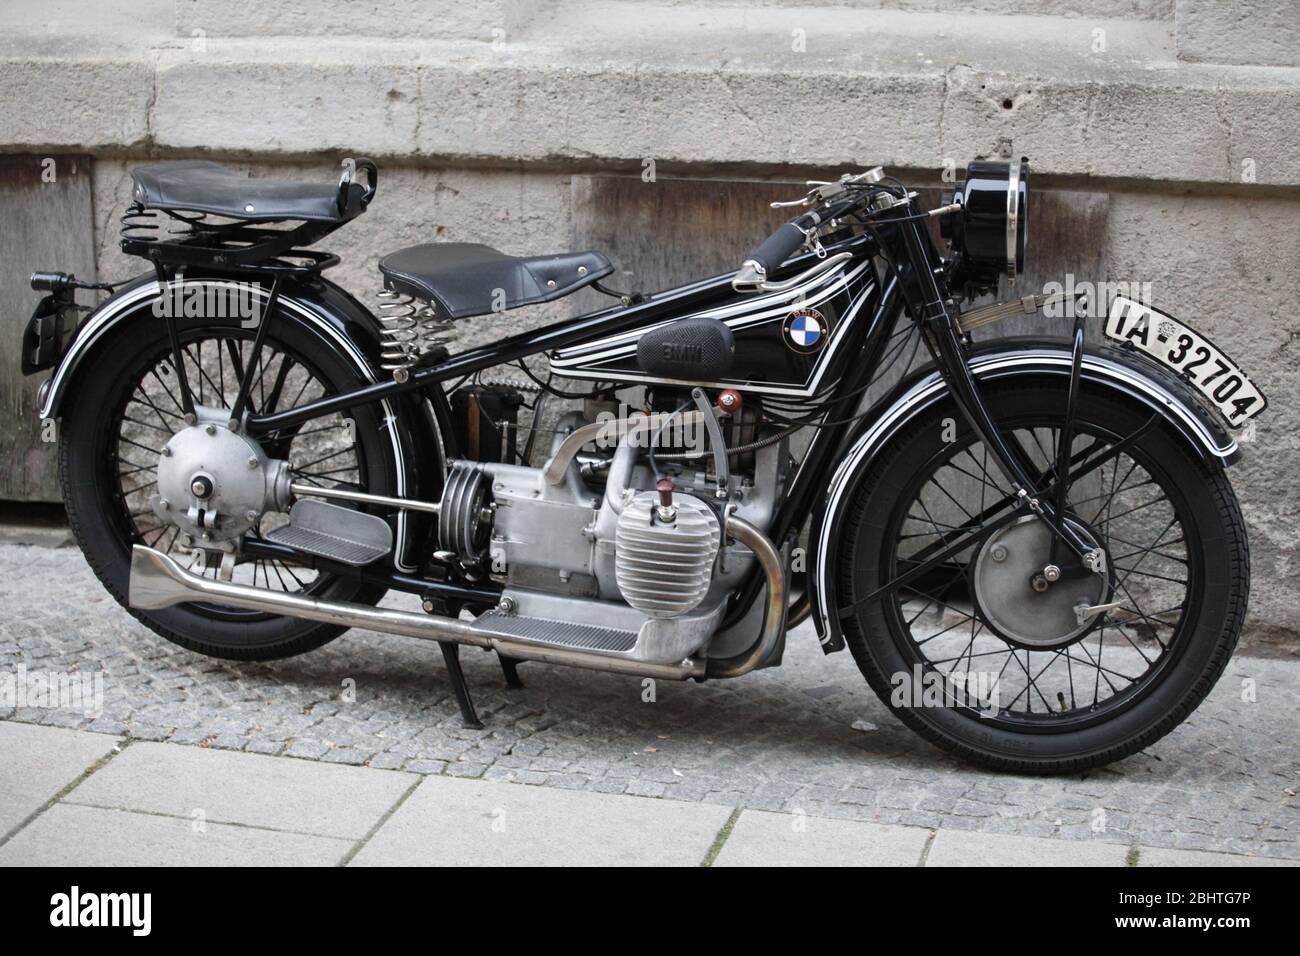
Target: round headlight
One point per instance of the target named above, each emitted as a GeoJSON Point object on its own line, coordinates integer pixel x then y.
{"type": "Point", "coordinates": [993, 224]}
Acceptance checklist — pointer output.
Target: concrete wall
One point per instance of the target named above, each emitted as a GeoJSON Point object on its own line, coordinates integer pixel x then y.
{"type": "Point", "coordinates": [1183, 111]}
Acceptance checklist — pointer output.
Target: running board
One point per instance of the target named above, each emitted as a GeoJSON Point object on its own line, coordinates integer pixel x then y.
{"type": "Point", "coordinates": [564, 633]}
{"type": "Point", "coordinates": [331, 531]}
{"type": "Point", "coordinates": [157, 582]}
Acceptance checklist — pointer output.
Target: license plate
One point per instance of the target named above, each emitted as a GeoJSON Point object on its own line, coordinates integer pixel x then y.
{"type": "Point", "coordinates": [1190, 354]}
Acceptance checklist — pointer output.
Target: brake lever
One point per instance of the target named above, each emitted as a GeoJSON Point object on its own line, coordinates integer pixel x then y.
{"type": "Point", "coordinates": [819, 193]}
{"type": "Point", "coordinates": [749, 279]}
{"type": "Point", "coordinates": [826, 191]}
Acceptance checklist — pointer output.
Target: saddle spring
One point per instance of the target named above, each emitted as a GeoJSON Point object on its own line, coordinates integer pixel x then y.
{"type": "Point", "coordinates": [409, 329]}
{"type": "Point", "coordinates": [140, 224]}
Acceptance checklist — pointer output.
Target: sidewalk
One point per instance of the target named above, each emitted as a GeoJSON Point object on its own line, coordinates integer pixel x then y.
{"type": "Point", "coordinates": [70, 797]}
{"type": "Point", "coordinates": [807, 740]}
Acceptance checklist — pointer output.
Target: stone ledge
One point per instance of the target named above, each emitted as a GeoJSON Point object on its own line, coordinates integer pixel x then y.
{"type": "Point", "coordinates": [480, 20]}
{"type": "Point", "coordinates": [688, 91]}
{"type": "Point", "coordinates": [410, 18]}
{"type": "Point", "coordinates": [1262, 32]}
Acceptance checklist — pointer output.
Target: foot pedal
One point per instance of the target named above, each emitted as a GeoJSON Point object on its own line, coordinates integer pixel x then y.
{"type": "Point", "coordinates": [334, 532]}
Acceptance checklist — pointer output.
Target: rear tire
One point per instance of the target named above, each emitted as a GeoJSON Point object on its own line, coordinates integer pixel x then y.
{"type": "Point", "coordinates": [101, 517]}
{"type": "Point", "coordinates": [1186, 660]}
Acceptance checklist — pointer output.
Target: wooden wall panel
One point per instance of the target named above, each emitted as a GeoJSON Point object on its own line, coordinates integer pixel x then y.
{"type": "Point", "coordinates": [669, 232]}
{"type": "Point", "coordinates": [665, 233]}
{"type": "Point", "coordinates": [45, 223]}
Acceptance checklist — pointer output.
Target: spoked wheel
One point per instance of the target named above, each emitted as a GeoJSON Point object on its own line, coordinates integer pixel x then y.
{"type": "Point", "coordinates": [130, 406]}
{"type": "Point", "coordinates": [984, 655]}
{"type": "Point", "coordinates": [321, 453]}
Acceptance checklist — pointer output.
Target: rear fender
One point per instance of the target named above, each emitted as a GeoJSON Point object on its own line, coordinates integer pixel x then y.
{"type": "Point", "coordinates": [340, 319]}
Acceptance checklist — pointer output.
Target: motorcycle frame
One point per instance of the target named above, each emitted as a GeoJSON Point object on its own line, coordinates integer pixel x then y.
{"type": "Point", "coordinates": [914, 286]}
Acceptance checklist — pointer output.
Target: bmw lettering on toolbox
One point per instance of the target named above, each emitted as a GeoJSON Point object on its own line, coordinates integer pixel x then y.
{"type": "Point", "coordinates": [1190, 354]}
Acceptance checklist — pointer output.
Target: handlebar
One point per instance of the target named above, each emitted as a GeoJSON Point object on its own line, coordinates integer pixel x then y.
{"type": "Point", "coordinates": [778, 247]}
{"type": "Point", "coordinates": [829, 200]}
{"type": "Point", "coordinates": [769, 255]}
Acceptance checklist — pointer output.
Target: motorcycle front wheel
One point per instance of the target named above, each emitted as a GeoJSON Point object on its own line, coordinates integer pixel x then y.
{"type": "Point", "coordinates": [983, 656]}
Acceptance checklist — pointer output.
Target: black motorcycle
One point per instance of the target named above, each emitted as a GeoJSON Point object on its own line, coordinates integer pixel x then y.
{"type": "Point", "coordinates": [1031, 547]}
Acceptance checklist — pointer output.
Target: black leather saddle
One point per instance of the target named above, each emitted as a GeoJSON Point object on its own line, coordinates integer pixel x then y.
{"type": "Point", "coordinates": [462, 278]}
{"type": "Point", "coordinates": [197, 185]}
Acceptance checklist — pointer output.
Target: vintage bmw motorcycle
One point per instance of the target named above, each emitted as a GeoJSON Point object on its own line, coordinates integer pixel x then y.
{"type": "Point", "coordinates": [1030, 546]}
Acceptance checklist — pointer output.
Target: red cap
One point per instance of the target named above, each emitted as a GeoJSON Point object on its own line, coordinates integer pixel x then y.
{"type": "Point", "coordinates": [665, 488]}
{"type": "Point", "coordinates": [729, 400]}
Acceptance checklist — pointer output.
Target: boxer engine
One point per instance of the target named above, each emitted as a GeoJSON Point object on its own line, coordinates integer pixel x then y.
{"type": "Point", "coordinates": [607, 541]}
{"type": "Point", "coordinates": [631, 554]}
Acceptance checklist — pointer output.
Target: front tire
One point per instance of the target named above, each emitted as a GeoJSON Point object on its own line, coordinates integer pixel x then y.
{"type": "Point", "coordinates": [1074, 701]}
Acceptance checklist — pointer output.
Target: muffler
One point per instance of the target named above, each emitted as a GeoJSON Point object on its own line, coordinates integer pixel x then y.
{"type": "Point", "coordinates": [157, 581]}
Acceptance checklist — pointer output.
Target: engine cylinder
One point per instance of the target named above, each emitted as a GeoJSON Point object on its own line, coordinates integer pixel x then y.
{"type": "Point", "coordinates": [663, 567]}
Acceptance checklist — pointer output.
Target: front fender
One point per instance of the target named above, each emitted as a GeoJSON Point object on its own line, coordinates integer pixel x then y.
{"type": "Point", "coordinates": [331, 313]}
{"type": "Point", "coordinates": [1127, 373]}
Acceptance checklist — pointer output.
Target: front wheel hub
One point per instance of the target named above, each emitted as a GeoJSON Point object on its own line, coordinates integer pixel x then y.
{"type": "Point", "coordinates": [1008, 569]}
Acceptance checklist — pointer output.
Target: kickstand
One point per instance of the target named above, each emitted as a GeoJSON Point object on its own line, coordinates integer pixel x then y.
{"type": "Point", "coordinates": [451, 655]}
{"type": "Point", "coordinates": [510, 668]}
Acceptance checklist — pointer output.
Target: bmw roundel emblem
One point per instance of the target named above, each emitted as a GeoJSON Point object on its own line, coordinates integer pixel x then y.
{"type": "Point", "coordinates": [805, 330]}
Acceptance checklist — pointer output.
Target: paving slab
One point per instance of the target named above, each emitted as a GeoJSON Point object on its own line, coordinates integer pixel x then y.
{"type": "Point", "coordinates": [37, 762]}
{"type": "Point", "coordinates": [33, 534]}
{"type": "Point", "coordinates": [1159, 856]}
{"type": "Point", "coordinates": [72, 835]}
{"type": "Point", "coordinates": [450, 822]}
{"type": "Point", "coordinates": [973, 848]}
{"type": "Point", "coordinates": [284, 794]}
{"type": "Point", "coordinates": [762, 838]}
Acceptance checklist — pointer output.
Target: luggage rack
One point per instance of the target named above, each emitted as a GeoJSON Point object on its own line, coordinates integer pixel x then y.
{"type": "Point", "coordinates": [231, 244]}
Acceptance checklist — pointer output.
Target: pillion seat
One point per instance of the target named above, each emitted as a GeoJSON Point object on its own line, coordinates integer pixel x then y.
{"type": "Point", "coordinates": [462, 278]}
{"type": "Point", "coordinates": [197, 185]}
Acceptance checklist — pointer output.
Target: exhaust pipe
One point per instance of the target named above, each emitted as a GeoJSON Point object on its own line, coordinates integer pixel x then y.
{"type": "Point", "coordinates": [158, 581]}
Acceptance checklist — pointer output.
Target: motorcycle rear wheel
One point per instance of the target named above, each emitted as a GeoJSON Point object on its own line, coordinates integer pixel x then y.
{"type": "Point", "coordinates": [125, 407]}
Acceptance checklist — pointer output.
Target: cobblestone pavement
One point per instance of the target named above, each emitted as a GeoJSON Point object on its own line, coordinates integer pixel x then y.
{"type": "Point", "coordinates": [809, 736]}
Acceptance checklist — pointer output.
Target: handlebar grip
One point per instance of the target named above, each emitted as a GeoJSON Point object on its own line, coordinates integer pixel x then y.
{"type": "Point", "coordinates": [777, 247]}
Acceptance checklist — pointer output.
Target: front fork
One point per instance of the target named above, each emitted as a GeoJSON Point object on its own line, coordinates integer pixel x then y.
{"type": "Point", "coordinates": [1071, 554]}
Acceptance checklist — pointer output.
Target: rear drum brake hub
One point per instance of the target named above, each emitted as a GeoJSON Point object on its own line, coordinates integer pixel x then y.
{"type": "Point", "coordinates": [213, 483]}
